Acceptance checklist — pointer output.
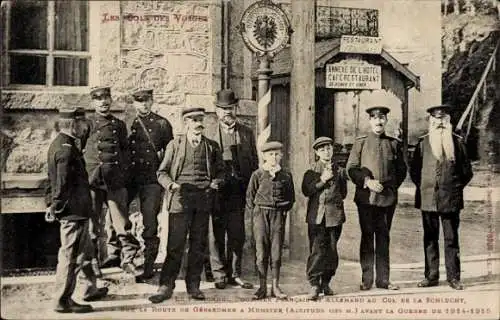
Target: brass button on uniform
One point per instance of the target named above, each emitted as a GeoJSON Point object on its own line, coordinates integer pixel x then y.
{"type": "Point", "coordinates": [114, 131]}
{"type": "Point", "coordinates": [133, 141]}
{"type": "Point", "coordinates": [116, 162]}
{"type": "Point", "coordinates": [133, 151]}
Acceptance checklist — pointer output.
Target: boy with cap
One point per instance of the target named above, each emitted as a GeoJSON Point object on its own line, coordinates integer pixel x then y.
{"type": "Point", "coordinates": [377, 167]}
{"type": "Point", "coordinates": [107, 160]}
{"type": "Point", "coordinates": [149, 135]}
{"type": "Point", "coordinates": [325, 185]}
{"type": "Point", "coordinates": [440, 169]}
{"type": "Point", "coordinates": [190, 172]}
{"type": "Point", "coordinates": [69, 202]}
{"type": "Point", "coordinates": [270, 195]}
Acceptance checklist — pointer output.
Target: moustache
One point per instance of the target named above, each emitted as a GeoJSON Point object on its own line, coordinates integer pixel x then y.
{"type": "Point", "coordinates": [200, 126]}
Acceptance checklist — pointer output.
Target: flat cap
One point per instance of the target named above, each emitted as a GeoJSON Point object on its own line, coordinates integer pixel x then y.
{"type": "Point", "coordinates": [101, 91]}
{"type": "Point", "coordinates": [321, 141]}
{"type": "Point", "coordinates": [192, 112]}
{"type": "Point", "coordinates": [226, 98]}
{"type": "Point", "coordinates": [71, 113]}
{"type": "Point", "coordinates": [142, 94]}
{"type": "Point", "coordinates": [377, 110]}
{"type": "Point", "coordinates": [440, 110]}
{"type": "Point", "coordinates": [271, 145]}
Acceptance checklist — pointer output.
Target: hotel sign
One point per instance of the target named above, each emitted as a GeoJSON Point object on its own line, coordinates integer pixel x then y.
{"type": "Point", "coordinates": [353, 74]}
{"type": "Point", "coordinates": [361, 44]}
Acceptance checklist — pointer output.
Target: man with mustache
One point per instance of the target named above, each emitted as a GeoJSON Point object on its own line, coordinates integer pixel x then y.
{"type": "Point", "coordinates": [377, 167]}
{"type": "Point", "coordinates": [440, 169]}
{"type": "Point", "coordinates": [107, 161]}
{"type": "Point", "coordinates": [190, 172]}
{"type": "Point", "coordinates": [149, 135]}
{"type": "Point", "coordinates": [239, 154]}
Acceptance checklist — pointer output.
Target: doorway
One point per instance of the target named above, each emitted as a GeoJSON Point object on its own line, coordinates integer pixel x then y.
{"type": "Point", "coordinates": [324, 113]}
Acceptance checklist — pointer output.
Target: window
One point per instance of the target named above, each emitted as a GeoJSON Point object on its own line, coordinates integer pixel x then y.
{"type": "Point", "coordinates": [48, 43]}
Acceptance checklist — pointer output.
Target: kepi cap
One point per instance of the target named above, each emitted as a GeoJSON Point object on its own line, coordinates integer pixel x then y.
{"type": "Point", "coordinates": [226, 98]}
{"type": "Point", "coordinates": [101, 91]}
{"type": "Point", "coordinates": [192, 112]}
{"type": "Point", "coordinates": [377, 110]}
{"type": "Point", "coordinates": [321, 141]}
{"type": "Point", "coordinates": [271, 145]}
{"type": "Point", "coordinates": [439, 111]}
{"type": "Point", "coordinates": [142, 94]}
{"type": "Point", "coordinates": [71, 113]}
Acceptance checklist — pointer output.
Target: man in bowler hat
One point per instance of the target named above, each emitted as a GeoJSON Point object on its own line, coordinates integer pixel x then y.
{"type": "Point", "coordinates": [190, 173]}
{"type": "Point", "coordinates": [107, 159]}
{"type": "Point", "coordinates": [70, 203]}
{"type": "Point", "coordinates": [149, 135]}
{"type": "Point", "coordinates": [239, 155]}
{"type": "Point", "coordinates": [377, 167]}
{"type": "Point", "coordinates": [440, 169]}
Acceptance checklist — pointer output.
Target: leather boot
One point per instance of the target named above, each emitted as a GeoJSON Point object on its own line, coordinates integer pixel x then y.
{"type": "Point", "coordinates": [276, 290]}
{"type": "Point", "coordinates": [95, 260]}
{"type": "Point", "coordinates": [261, 293]}
{"type": "Point", "coordinates": [150, 253]}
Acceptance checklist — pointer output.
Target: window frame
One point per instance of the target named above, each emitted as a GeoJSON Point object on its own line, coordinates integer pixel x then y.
{"type": "Point", "coordinates": [50, 54]}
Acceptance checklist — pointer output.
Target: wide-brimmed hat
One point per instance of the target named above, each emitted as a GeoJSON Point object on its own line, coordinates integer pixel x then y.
{"type": "Point", "coordinates": [72, 113]}
{"type": "Point", "coordinates": [226, 98]}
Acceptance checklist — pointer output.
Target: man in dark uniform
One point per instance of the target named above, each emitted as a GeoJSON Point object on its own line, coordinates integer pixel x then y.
{"type": "Point", "coordinates": [440, 169]}
{"type": "Point", "coordinates": [107, 158]}
{"type": "Point", "coordinates": [69, 202]}
{"type": "Point", "coordinates": [190, 172]}
{"type": "Point", "coordinates": [149, 135]}
{"type": "Point", "coordinates": [377, 167]}
{"type": "Point", "coordinates": [325, 184]}
{"type": "Point", "coordinates": [239, 154]}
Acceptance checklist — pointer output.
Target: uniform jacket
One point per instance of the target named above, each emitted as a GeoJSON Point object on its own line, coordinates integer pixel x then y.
{"type": "Point", "coordinates": [325, 199]}
{"type": "Point", "coordinates": [440, 184]}
{"type": "Point", "coordinates": [106, 152]}
{"type": "Point", "coordinates": [173, 161]}
{"type": "Point", "coordinates": [266, 191]}
{"type": "Point", "coordinates": [145, 157]}
{"type": "Point", "coordinates": [387, 166]}
{"type": "Point", "coordinates": [69, 191]}
{"type": "Point", "coordinates": [246, 152]}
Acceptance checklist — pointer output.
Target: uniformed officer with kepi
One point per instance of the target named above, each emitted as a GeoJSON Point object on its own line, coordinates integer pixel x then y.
{"type": "Point", "coordinates": [107, 159]}
{"type": "Point", "coordinates": [149, 135]}
{"type": "Point", "coordinates": [377, 167]}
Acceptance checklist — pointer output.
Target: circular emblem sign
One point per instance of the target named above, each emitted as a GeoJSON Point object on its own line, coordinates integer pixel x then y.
{"type": "Point", "coordinates": [265, 28]}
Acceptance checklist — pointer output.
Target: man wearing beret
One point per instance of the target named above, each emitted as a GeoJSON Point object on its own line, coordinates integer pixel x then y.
{"type": "Point", "coordinates": [239, 154]}
{"type": "Point", "coordinates": [440, 169]}
{"type": "Point", "coordinates": [69, 202]}
{"type": "Point", "coordinates": [270, 195]}
{"type": "Point", "coordinates": [190, 172]}
{"type": "Point", "coordinates": [377, 167]}
{"type": "Point", "coordinates": [107, 159]}
{"type": "Point", "coordinates": [325, 184]}
{"type": "Point", "coordinates": [149, 135]}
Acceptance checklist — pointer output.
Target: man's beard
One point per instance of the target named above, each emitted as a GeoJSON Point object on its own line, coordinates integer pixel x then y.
{"type": "Point", "coordinates": [228, 120]}
{"type": "Point", "coordinates": [441, 141]}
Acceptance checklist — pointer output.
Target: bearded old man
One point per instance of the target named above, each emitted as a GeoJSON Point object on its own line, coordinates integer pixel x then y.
{"type": "Point", "coordinates": [440, 169]}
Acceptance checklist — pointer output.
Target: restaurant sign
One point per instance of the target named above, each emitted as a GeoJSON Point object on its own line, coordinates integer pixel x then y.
{"type": "Point", "coordinates": [353, 74]}
{"type": "Point", "coordinates": [360, 44]}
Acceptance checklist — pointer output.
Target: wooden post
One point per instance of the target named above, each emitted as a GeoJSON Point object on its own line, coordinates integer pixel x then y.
{"type": "Point", "coordinates": [302, 94]}
{"type": "Point", "coordinates": [404, 124]}
{"type": "Point", "coordinates": [264, 92]}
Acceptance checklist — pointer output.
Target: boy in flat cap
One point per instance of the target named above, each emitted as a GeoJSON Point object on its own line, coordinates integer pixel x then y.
{"type": "Point", "coordinates": [440, 169]}
{"type": "Point", "coordinates": [325, 185]}
{"type": "Point", "coordinates": [377, 167]}
{"type": "Point", "coordinates": [149, 135]}
{"type": "Point", "coordinates": [69, 202]}
{"type": "Point", "coordinates": [107, 159]}
{"type": "Point", "coordinates": [270, 195]}
{"type": "Point", "coordinates": [190, 172]}
{"type": "Point", "coordinates": [239, 154]}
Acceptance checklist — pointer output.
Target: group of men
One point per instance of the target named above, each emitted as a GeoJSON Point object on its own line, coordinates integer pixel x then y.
{"type": "Point", "coordinates": [212, 179]}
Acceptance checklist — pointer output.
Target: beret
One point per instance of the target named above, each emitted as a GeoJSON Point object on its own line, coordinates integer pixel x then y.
{"type": "Point", "coordinates": [321, 141]}
{"type": "Point", "coordinates": [271, 145]}
{"type": "Point", "coordinates": [191, 112]}
{"type": "Point", "coordinates": [377, 110]}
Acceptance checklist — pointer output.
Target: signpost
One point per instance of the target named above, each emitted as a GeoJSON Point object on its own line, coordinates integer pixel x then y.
{"type": "Point", "coordinates": [353, 74]}
{"type": "Point", "coordinates": [360, 44]}
{"type": "Point", "coordinates": [266, 30]}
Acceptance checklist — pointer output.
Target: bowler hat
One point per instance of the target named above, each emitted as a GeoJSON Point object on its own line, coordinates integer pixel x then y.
{"type": "Point", "coordinates": [142, 94]}
{"type": "Point", "coordinates": [378, 110]}
{"type": "Point", "coordinates": [71, 113]}
{"type": "Point", "coordinates": [101, 91]}
{"type": "Point", "coordinates": [192, 112]}
{"type": "Point", "coordinates": [321, 141]}
{"type": "Point", "coordinates": [440, 110]}
{"type": "Point", "coordinates": [226, 98]}
{"type": "Point", "coordinates": [271, 145]}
